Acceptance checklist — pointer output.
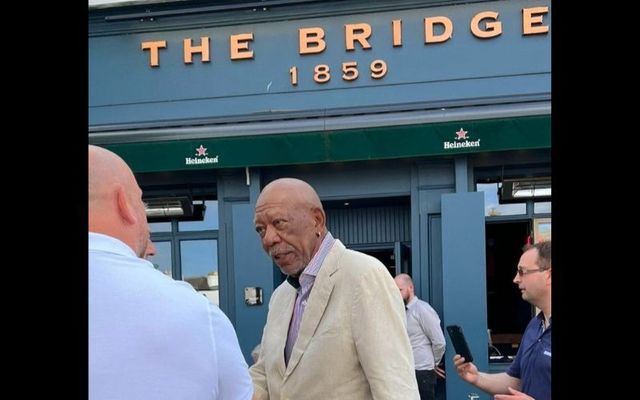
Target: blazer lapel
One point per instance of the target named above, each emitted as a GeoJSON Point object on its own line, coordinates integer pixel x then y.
{"type": "Point", "coordinates": [318, 299]}
{"type": "Point", "coordinates": [282, 325]}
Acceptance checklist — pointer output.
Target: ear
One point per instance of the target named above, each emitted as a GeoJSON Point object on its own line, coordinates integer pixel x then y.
{"type": "Point", "coordinates": [319, 218]}
{"type": "Point", "coordinates": [548, 277]}
{"type": "Point", "coordinates": [125, 210]}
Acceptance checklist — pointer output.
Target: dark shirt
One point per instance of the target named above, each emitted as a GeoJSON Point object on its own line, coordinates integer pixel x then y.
{"type": "Point", "coordinates": [532, 364]}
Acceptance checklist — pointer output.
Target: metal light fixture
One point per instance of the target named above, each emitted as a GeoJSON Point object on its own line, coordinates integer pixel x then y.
{"type": "Point", "coordinates": [166, 209]}
{"type": "Point", "coordinates": [169, 207]}
{"type": "Point", "coordinates": [523, 189]}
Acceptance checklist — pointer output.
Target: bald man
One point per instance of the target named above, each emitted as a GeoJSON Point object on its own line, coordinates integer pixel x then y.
{"type": "Point", "coordinates": [425, 334]}
{"type": "Point", "coordinates": [150, 337]}
{"type": "Point", "coordinates": [336, 328]}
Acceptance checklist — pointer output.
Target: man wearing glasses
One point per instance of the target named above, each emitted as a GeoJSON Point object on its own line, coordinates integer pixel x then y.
{"type": "Point", "coordinates": [529, 376]}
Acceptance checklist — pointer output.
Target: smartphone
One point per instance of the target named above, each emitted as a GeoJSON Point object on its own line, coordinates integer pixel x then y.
{"type": "Point", "coordinates": [459, 342]}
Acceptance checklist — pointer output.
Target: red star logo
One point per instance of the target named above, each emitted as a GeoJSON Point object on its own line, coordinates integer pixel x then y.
{"type": "Point", "coordinates": [201, 151]}
{"type": "Point", "coordinates": [462, 134]}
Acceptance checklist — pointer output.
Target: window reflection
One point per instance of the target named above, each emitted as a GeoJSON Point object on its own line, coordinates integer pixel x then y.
{"type": "Point", "coordinates": [162, 259]}
{"type": "Point", "coordinates": [160, 226]}
{"type": "Point", "coordinates": [199, 260]}
{"type": "Point", "coordinates": [491, 205]}
{"type": "Point", "coordinates": [542, 207]}
{"type": "Point", "coordinates": [210, 219]}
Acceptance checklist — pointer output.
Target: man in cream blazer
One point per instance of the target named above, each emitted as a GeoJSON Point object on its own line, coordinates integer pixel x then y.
{"type": "Point", "coordinates": [340, 333]}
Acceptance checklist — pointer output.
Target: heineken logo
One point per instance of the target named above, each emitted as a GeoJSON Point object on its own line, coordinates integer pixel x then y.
{"type": "Point", "coordinates": [461, 140]}
{"type": "Point", "coordinates": [201, 157]}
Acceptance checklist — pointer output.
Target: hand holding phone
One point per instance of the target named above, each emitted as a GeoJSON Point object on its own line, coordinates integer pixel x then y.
{"type": "Point", "coordinates": [459, 342]}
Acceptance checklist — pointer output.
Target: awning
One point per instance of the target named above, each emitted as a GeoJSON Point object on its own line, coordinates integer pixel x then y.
{"type": "Point", "coordinates": [389, 142]}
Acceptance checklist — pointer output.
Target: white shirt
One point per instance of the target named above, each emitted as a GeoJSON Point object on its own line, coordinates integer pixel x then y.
{"type": "Point", "coordinates": [426, 336]}
{"type": "Point", "coordinates": [151, 337]}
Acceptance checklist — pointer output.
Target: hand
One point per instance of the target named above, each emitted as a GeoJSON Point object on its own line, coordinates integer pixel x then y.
{"type": "Point", "coordinates": [467, 371]}
{"type": "Point", "coordinates": [513, 395]}
{"type": "Point", "coordinates": [440, 372]}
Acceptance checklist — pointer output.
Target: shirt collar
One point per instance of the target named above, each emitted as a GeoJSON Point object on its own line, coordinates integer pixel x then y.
{"type": "Point", "coordinates": [540, 316]}
{"type": "Point", "coordinates": [109, 244]}
{"type": "Point", "coordinates": [312, 269]}
{"type": "Point", "coordinates": [314, 265]}
{"type": "Point", "coordinates": [412, 302]}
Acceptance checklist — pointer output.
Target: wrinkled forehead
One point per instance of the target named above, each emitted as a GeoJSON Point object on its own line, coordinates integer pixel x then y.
{"type": "Point", "coordinates": [270, 208]}
{"type": "Point", "coordinates": [279, 196]}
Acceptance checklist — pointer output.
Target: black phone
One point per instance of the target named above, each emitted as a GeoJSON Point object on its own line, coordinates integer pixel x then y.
{"type": "Point", "coordinates": [459, 342]}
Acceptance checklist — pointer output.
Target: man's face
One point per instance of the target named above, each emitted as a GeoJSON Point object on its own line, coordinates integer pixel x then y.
{"type": "Point", "coordinates": [141, 216]}
{"type": "Point", "coordinates": [287, 231]}
{"type": "Point", "coordinates": [150, 251]}
{"type": "Point", "coordinates": [137, 207]}
{"type": "Point", "coordinates": [405, 290]}
{"type": "Point", "coordinates": [532, 282]}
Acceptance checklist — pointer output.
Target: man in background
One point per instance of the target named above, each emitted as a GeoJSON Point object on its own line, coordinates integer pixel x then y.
{"type": "Point", "coordinates": [150, 337]}
{"type": "Point", "coordinates": [425, 334]}
{"type": "Point", "coordinates": [529, 375]}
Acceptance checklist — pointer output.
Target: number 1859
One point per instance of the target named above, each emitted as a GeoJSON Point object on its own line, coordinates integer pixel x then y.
{"type": "Point", "coordinates": [322, 72]}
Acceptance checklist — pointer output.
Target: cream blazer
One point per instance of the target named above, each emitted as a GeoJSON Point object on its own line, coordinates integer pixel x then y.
{"type": "Point", "coordinates": [352, 343]}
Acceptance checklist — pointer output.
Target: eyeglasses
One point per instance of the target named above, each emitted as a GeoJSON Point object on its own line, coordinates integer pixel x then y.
{"type": "Point", "coordinates": [524, 271]}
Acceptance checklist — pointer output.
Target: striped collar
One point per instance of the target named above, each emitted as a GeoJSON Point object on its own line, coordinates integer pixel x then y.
{"type": "Point", "coordinates": [312, 269]}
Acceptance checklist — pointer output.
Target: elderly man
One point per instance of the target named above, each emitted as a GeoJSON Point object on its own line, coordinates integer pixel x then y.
{"type": "Point", "coordinates": [336, 328]}
{"type": "Point", "coordinates": [150, 337]}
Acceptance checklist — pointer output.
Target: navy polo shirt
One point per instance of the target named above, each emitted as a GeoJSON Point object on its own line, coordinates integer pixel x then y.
{"type": "Point", "coordinates": [532, 364]}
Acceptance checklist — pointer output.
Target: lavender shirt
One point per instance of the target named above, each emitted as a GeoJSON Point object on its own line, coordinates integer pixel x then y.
{"type": "Point", "coordinates": [307, 278]}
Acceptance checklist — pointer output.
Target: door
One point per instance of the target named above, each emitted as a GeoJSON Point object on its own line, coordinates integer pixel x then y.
{"type": "Point", "coordinates": [252, 268]}
{"type": "Point", "coordinates": [464, 284]}
{"type": "Point", "coordinates": [402, 255]}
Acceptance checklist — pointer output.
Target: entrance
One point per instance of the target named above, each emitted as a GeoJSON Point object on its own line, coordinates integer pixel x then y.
{"type": "Point", "coordinates": [385, 256]}
{"type": "Point", "coordinates": [507, 314]}
{"type": "Point", "coordinates": [380, 227]}
{"type": "Point", "coordinates": [396, 258]}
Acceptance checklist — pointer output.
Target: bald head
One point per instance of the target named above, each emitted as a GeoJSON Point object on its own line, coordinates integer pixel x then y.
{"type": "Point", "coordinates": [293, 190]}
{"type": "Point", "coordinates": [404, 278]}
{"type": "Point", "coordinates": [115, 200]}
{"type": "Point", "coordinates": [291, 223]}
{"type": "Point", "coordinates": [106, 169]}
{"type": "Point", "coordinates": [405, 284]}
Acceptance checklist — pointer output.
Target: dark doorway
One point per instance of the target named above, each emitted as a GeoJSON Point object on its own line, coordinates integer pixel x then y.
{"type": "Point", "coordinates": [385, 256]}
{"type": "Point", "coordinates": [380, 227]}
{"type": "Point", "coordinates": [507, 313]}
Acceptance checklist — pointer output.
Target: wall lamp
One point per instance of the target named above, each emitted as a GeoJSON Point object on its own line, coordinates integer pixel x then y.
{"type": "Point", "coordinates": [523, 189]}
{"type": "Point", "coordinates": [165, 209]}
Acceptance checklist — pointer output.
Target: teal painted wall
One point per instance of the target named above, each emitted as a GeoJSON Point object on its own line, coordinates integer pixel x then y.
{"type": "Point", "coordinates": [125, 89]}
